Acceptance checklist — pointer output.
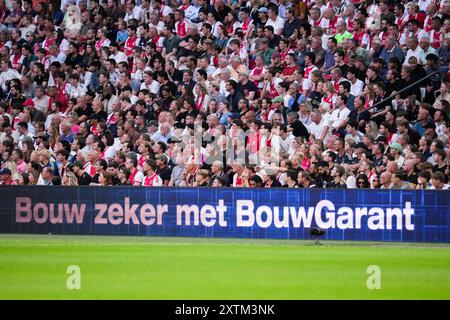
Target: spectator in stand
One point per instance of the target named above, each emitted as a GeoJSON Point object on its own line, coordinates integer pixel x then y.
{"type": "Point", "coordinates": [176, 92]}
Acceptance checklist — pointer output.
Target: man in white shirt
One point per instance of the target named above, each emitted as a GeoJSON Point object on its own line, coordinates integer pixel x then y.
{"type": "Point", "coordinates": [427, 49]}
{"type": "Point", "coordinates": [413, 51]}
{"type": "Point", "coordinates": [163, 134]}
{"type": "Point", "coordinates": [320, 125]}
{"type": "Point", "coordinates": [356, 85]}
{"type": "Point", "coordinates": [340, 114]}
{"type": "Point", "coordinates": [7, 74]}
{"type": "Point", "coordinates": [76, 89]}
{"type": "Point", "coordinates": [56, 55]}
{"type": "Point", "coordinates": [41, 100]}
{"type": "Point", "coordinates": [191, 12]}
{"type": "Point", "coordinates": [274, 20]}
{"type": "Point", "coordinates": [163, 10]}
{"type": "Point", "coordinates": [149, 83]}
{"type": "Point", "coordinates": [117, 55]}
{"type": "Point", "coordinates": [132, 11]}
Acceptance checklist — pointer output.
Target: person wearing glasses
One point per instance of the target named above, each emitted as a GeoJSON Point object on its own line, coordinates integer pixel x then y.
{"type": "Point", "coordinates": [362, 182]}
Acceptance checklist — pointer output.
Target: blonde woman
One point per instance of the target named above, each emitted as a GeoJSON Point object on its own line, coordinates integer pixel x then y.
{"type": "Point", "coordinates": [201, 178]}
{"type": "Point", "coordinates": [105, 179]}
{"type": "Point", "coordinates": [369, 95]}
{"type": "Point", "coordinates": [372, 129]}
{"type": "Point", "coordinates": [305, 113]}
{"type": "Point", "coordinates": [201, 97]}
{"type": "Point", "coordinates": [53, 131]}
{"type": "Point", "coordinates": [69, 179]}
{"type": "Point", "coordinates": [72, 22]}
{"type": "Point", "coordinates": [442, 94]}
{"type": "Point", "coordinates": [33, 177]}
{"type": "Point", "coordinates": [329, 98]}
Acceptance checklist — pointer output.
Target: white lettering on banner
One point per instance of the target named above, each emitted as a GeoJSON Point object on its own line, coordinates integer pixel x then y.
{"type": "Point", "coordinates": [207, 216]}
{"type": "Point", "coordinates": [324, 215]}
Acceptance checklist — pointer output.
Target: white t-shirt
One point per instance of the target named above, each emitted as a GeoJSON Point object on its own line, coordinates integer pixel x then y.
{"type": "Point", "coordinates": [356, 88]}
{"type": "Point", "coordinates": [153, 87]}
{"type": "Point", "coordinates": [337, 116]}
{"type": "Point", "coordinates": [119, 57]}
{"type": "Point", "coordinates": [41, 104]}
{"type": "Point", "coordinates": [277, 24]}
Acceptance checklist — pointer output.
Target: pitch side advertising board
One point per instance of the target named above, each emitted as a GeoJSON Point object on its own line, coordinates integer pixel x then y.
{"type": "Point", "coordinates": [366, 215]}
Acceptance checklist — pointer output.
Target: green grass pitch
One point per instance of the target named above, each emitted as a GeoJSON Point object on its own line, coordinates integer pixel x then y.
{"type": "Point", "coordinates": [35, 267]}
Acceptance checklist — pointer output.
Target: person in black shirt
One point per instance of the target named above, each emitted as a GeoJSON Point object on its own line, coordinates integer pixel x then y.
{"type": "Point", "coordinates": [270, 181]}
{"type": "Point", "coordinates": [291, 179]}
{"type": "Point", "coordinates": [220, 10]}
{"type": "Point", "coordinates": [359, 114]}
{"type": "Point", "coordinates": [248, 88]}
{"type": "Point", "coordinates": [234, 96]}
{"type": "Point", "coordinates": [378, 153]}
{"type": "Point", "coordinates": [83, 110]}
{"type": "Point", "coordinates": [163, 78]}
{"type": "Point", "coordinates": [163, 170]}
{"type": "Point", "coordinates": [99, 114]}
{"type": "Point", "coordinates": [341, 155]}
{"type": "Point", "coordinates": [274, 39]}
{"type": "Point", "coordinates": [18, 99]}
{"type": "Point", "coordinates": [410, 172]}
{"type": "Point", "coordinates": [298, 128]}
{"type": "Point", "coordinates": [393, 83]}
{"type": "Point", "coordinates": [439, 157]}
{"type": "Point", "coordinates": [322, 178]}
{"type": "Point", "coordinates": [291, 24]}
{"type": "Point", "coordinates": [337, 173]}
{"type": "Point", "coordinates": [174, 74]}
{"type": "Point", "coordinates": [73, 58]}
{"type": "Point", "coordinates": [83, 178]}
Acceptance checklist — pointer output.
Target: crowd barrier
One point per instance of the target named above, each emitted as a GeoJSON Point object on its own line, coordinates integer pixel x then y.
{"type": "Point", "coordinates": [366, 215]}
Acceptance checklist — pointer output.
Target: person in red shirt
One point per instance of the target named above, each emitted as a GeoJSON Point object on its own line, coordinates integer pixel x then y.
{"type": "Point", "coordinates": [5, 178]}
{"type": "Point", "coordinates": [132, 41]}
{"type": "Point", "coordinates": [152, 179]}
{"type": "Point", "coordinates": [291, 66]}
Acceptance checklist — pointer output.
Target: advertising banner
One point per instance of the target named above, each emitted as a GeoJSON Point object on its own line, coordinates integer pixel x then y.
{"type": "Point", "coordinates": [366, 215]}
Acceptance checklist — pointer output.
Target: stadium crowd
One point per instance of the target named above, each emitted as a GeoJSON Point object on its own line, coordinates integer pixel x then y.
{"type": "Point", "coordinates": [259, 93]}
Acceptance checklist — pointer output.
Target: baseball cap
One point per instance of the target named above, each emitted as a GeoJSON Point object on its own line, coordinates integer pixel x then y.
{"type": "Point", "coordinates": [278, 99]}
{"type": "Point", "coordinates": [396, 146]}
{"type": "Point", "coordinates": [263, 9]}
{"type": "Point", "coordinates": [5, 171]}
{"type": "Point", "coordinates": [276, 55]}
{"type": "Point", "coordinates": [28, 103]}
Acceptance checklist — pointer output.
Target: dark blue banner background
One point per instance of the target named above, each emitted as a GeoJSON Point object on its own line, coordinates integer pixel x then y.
{"type": "Point", "coordinates": [431, 217]}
